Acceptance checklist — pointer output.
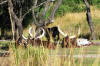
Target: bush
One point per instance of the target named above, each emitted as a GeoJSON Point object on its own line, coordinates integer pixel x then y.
{"type": "Point", "coordinates": [74, 6]}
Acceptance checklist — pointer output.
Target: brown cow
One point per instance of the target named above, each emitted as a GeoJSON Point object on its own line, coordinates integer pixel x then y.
{"type": "Point", "coordinates": [35, 41]}
{"type": "Point", "coordinates": [74, 41]}
{"type": "Point", "coordinates": [38, 42]}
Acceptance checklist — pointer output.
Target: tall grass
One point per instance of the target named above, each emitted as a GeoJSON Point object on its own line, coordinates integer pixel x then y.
{"type": "Point", "coordinates": [40, 56]}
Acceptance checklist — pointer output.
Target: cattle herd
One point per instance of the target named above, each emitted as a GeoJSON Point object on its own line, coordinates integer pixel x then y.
{"type": "Point", "coordinates": [67, 41]}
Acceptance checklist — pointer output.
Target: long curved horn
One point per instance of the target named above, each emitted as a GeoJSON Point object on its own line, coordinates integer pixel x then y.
{"type": "Point", "coordinates": [24, 37]}
{"type": "Point", "coordinates": [75, 35]}
{"type": "Point", "coordinates": [64, 33]}
{"type": "Point", "coordinates": [61, 31]}
{"type": "Point", "coordinates": [42, 34]}
{"type": "Point", "coordinates": [30, 32]}
{"type": "Point", "coordinates": [72, 36]}
{"type": "Point", "coordinates": [79, 31]}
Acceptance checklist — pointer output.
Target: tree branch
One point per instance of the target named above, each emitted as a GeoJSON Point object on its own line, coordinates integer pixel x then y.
{"type": "Point", "coordinates": [33, 14]}
{"type": "Point", "coordinates": [11, 9]}
{"type": "Point", "coordinates": [31, 9]}
{"type": "Point", "coordinates": [42, 16]}
{"type": "Point", "coordinates": [51, 19]}
{"type": "Point", "coordinates": [3, 2]}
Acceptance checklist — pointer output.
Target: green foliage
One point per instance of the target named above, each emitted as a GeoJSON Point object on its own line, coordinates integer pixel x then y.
{"type": "Point", "coordinates": [67, 8]}
{"type": "Point", "coordinates": [75, 6]}
{"type": "Point", "coordinates": [98, 6]}
{"type": "Point", "coordinates": [94, 2]}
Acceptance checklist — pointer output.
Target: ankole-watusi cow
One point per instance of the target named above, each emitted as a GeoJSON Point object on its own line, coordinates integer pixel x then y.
{"type": "Point", "coordinates": [48, 44]}
{"type": "Point", "coordinates": [35, 41]}
{"type": "Point", "coordinates": [30, 40]}
{"type": "Point", "coordinates": [52, 32]}
{"type": "Point", "coordinates": [74, 41]}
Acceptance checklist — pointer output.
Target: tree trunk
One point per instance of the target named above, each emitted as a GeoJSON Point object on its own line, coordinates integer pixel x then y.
{"type": "Point", "coordinates": [13, 30]}
{"type": "Point", "coordinates": [12, 25]}
{"type": "Point", "coordinates": [89, 19]}
{"type": "Point", "coordinates": [2, 32]}
{"type": "Point", "coordinates": [20, 28]}
{"type": "Point", "coordinates": [17, 21]}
